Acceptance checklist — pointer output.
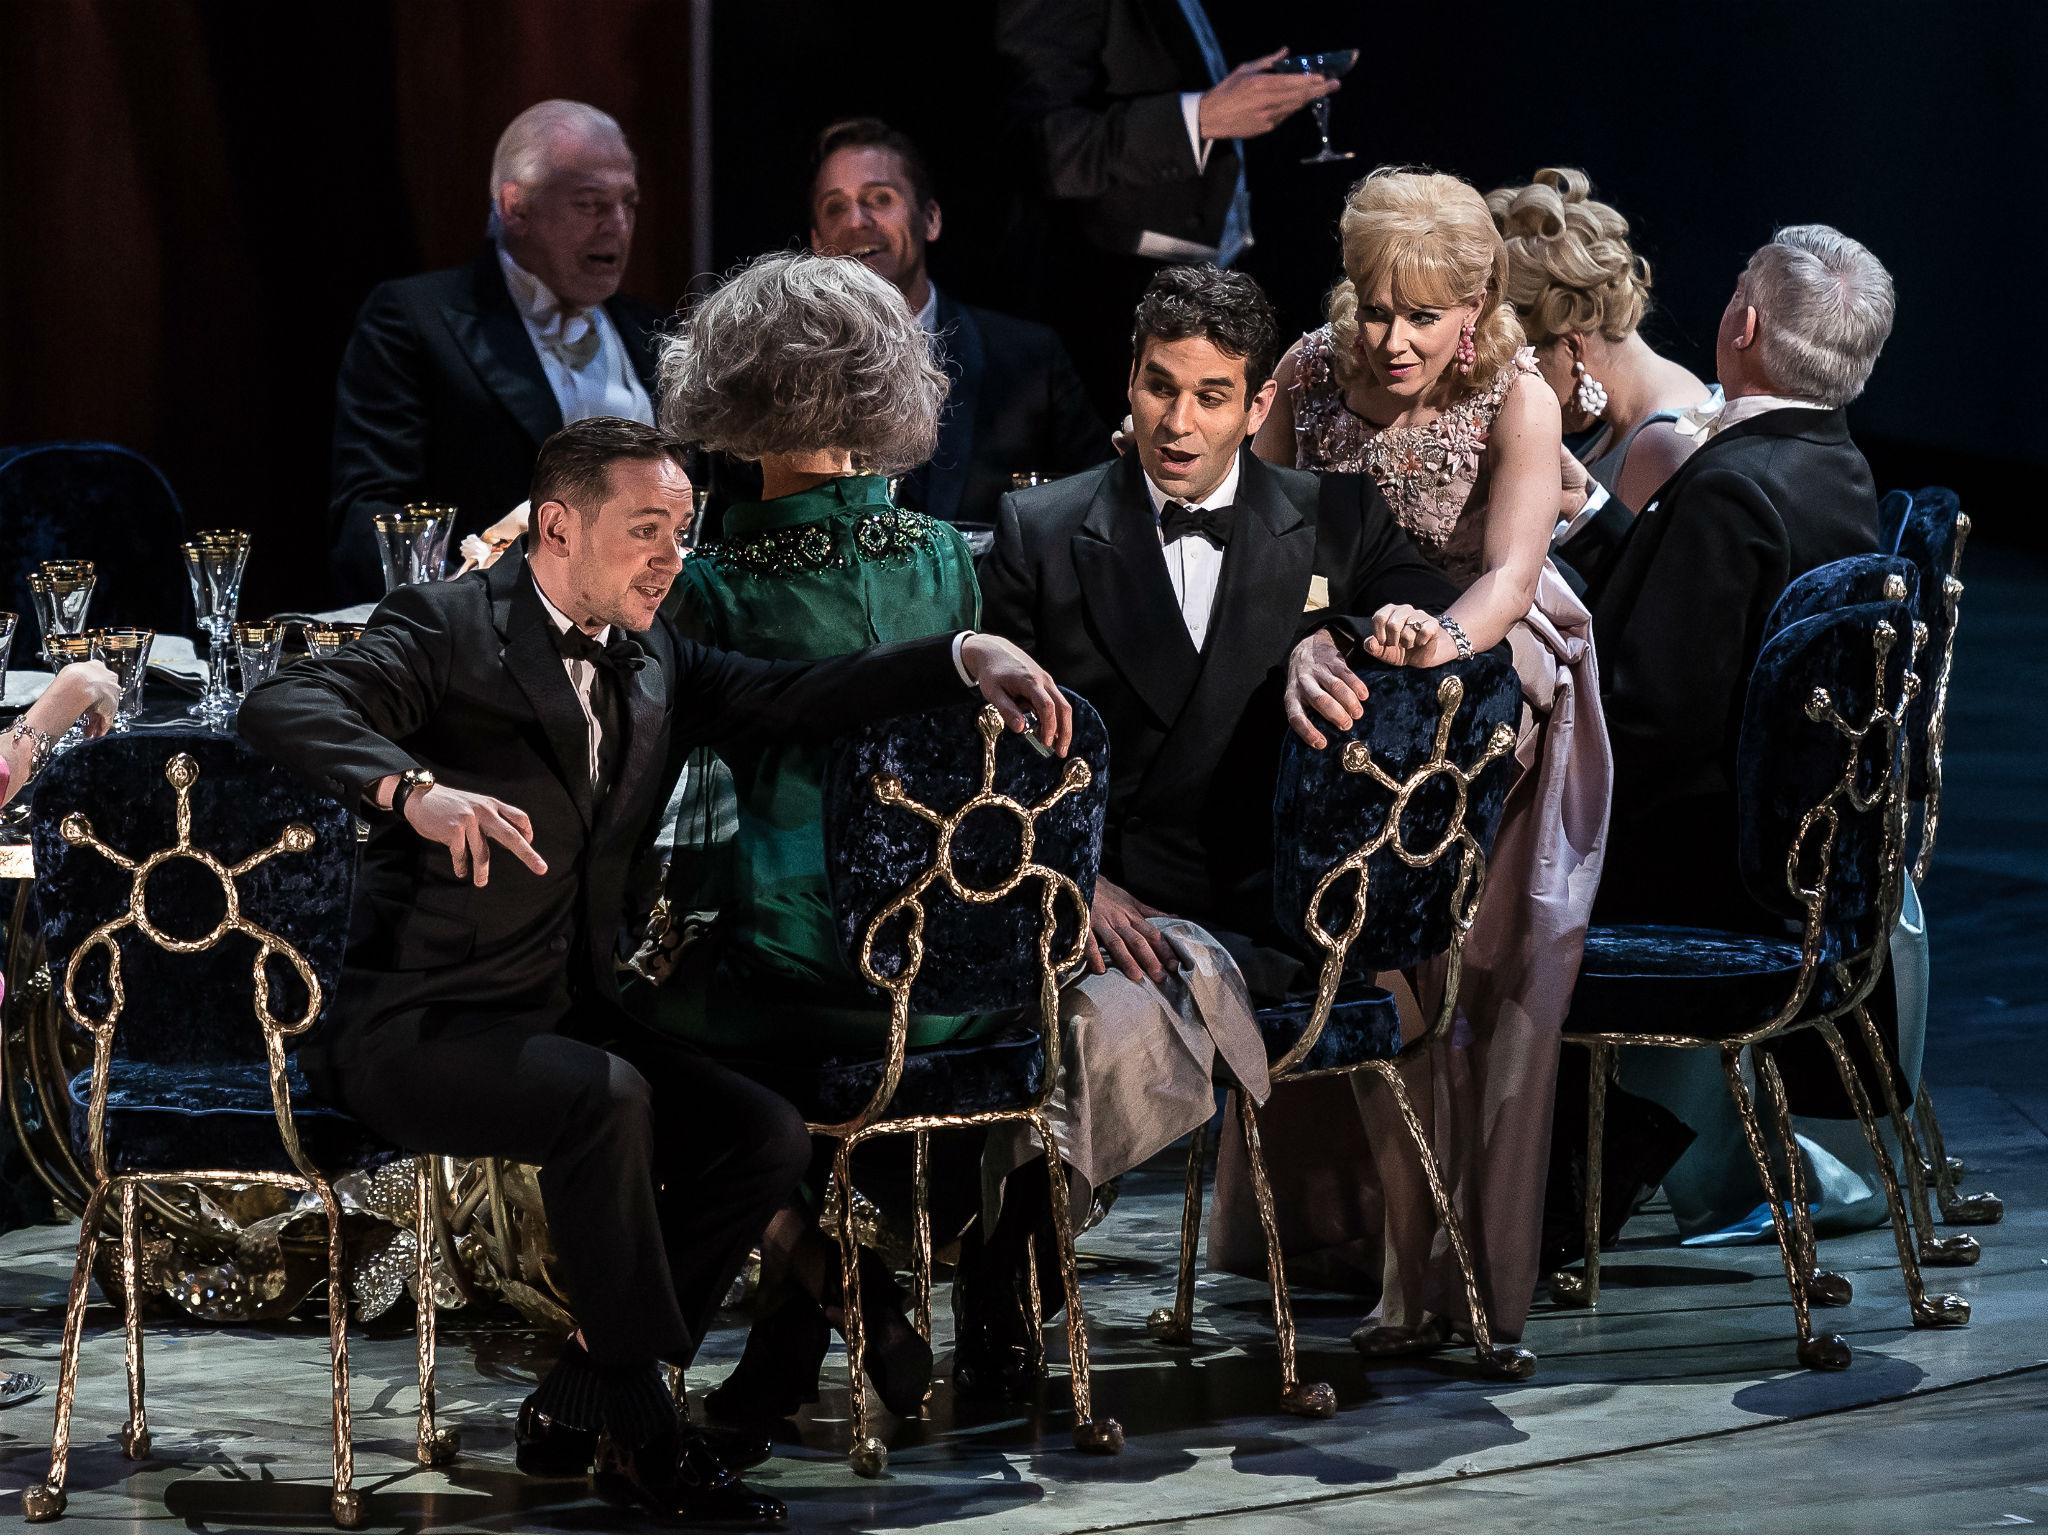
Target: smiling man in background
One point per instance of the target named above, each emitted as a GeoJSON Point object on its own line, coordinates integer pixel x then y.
{"type": "Point", "coordinates": [1017, 404]}
{"type": "Point", "coordinates": [453, 379]}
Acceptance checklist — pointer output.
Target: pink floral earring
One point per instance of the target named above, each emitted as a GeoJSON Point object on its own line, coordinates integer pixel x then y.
{"type": "Point", "coordinates": [1467, 353]}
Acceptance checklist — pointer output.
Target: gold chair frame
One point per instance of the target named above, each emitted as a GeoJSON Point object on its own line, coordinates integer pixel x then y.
{"type": "Point", "coordinates": [1103, 1436]}
{"type": "Point", "coordinates": [1957, 1209]}
{"type": "Point", "coordinates": [1175, 1325]}
{"type": "Point", "coordinates": [435, 1447]}
{"type": "Point", "coordinates": [1856, 975]}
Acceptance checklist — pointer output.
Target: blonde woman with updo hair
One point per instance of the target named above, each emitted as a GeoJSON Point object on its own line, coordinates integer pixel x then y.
{"type": "Point", "coordinates": [1581, 292]}
{"type": "Point", "coordinates": [1421, 379]}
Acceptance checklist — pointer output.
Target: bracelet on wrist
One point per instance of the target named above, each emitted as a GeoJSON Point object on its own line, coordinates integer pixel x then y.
{"type": "Point", "coordinates": [41, 745]}
{"type": "Point", "coordinates": [1456, 631]}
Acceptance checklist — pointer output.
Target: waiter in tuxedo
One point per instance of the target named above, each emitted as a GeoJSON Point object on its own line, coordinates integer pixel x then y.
{"type": "Point", "coordinates": [515, 734]}
{"type": "Point", "coordinates": [452, 379]}
{"type": "Point", "coordinates": [1131, 123]}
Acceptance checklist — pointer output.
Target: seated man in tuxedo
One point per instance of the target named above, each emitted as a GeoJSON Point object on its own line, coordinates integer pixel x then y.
{"type": "Point", "coordinates": [1776, 488]}
{"type": "Point", "coordinates": [452, 379]}
{"type": "Point", "coordinates": [544, 706]}
{"type": "Point", "coordinates": [1199, 598]}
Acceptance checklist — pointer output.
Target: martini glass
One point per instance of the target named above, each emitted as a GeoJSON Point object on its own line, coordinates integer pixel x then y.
{"type": "Point", "coordinates": [1334, 65]}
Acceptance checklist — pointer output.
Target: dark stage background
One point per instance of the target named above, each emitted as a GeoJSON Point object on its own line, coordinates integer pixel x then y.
{"type": "Point", "coordinates": [198, 195]}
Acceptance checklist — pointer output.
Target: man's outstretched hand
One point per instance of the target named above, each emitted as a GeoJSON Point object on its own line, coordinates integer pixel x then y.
{"type": "Point", "coordinates": [1020, 689]}
{"type": "Point", "coordinates": [466, 825]}
{"type": "Point", "coordinates": [1321, 685]}
{"type": "Point", "coordinates": [1119, 935]}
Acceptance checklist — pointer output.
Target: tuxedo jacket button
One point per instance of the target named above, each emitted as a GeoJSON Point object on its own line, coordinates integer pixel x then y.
{"type": "Point", "coordinates": [1134, 823]}
{"type": "Point", "coordinates": [558, 945]}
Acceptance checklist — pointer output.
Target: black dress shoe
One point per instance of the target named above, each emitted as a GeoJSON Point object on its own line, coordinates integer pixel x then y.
{"type": "Point", "coordinates": [778, 1369]}
{"type": "Point", "coordinates": [679, 1477]}
{"type": "Point", "coordinates": [997, 1353]}
{"type": "Point", "coordinates": [897, 1358]}
{"type": "Point", "coordinates": [544, 1448]}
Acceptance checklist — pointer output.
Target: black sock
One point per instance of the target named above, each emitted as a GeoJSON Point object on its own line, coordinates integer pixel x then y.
{"type": "Point", "coordinates": [630, 1401]}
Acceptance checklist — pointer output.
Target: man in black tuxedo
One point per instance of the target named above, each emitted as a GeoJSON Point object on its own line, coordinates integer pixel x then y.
{"type": "Point", "coordinates": [1776, 489]}
{"type": "Point", "coordinates": [477, 1014]}
{"type": "Point", "coordinates": [1131, 123]}
{"type": "Point", "coordinates": [453, 379]}
{"type": "Point", "coordinates": [1016, 402]}
{"type": "Point", "coordinates": [1201, 599]}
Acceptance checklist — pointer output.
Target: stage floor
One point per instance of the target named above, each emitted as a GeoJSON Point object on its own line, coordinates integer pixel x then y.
{"type": "Point", "coordinates": [1676, 1406]}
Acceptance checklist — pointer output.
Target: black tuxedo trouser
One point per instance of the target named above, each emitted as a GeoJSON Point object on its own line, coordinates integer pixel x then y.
{"type": "Point", "coordinates": [659, 1167]}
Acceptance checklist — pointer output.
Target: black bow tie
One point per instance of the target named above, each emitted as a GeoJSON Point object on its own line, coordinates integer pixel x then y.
{"type": "Point", "coordinates": [1177, 520]}
{"type": "Point", "coordinates": [620, 654]}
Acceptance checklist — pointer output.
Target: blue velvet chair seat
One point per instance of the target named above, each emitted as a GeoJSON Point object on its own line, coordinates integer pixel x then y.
{"type": "Point", "coordinates": [165, 1117]}
{"type": "Point", "coordinates": [1364, 1026]}
{"type": "Point", "coordinates": [975, 1077]}
{"type": "Point", "coordinates": [1704, 983]}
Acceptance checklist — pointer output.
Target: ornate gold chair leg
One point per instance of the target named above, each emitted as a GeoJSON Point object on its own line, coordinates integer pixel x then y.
{"type": "Point", "coordinates": [135, 1433]}
{"type": "Point", "coordinates": [1583, 1290]}
{"type": "Point", "coordinates": [1820, 1352]}
{"type": "Point", "coordinates": [45, 1500]}
{"type": "Point", "coordinates": [921, 1233]}
{"type": "Point", "coordinates": [1504, 1362]}
{"type": "Point", "coordinates": [1176, 1324]}
{"type": "Point", "coordinates": [1309, 1399]}
{"type": "Point", "coordinates": [1942, 1252]}
{"type": "Point", "coordinates": [1983, 1209]}
{"type": "Point", "coordinates": [1104, 1436]}
{"type": "Point", "coordinates": [1824, 1288]}
{"type": "Point", "coordinates": [1936, 1311]}
{"type": "Point", "coordinates": [436, 1447]}
{"type": "Point", "coordinates": [346, 1504]}
{"type": "Point", "coordinates": [868, 1456]}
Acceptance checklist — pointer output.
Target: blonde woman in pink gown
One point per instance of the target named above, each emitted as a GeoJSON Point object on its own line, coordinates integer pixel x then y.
{"type": "Point", "coordinates": [1421, 380]}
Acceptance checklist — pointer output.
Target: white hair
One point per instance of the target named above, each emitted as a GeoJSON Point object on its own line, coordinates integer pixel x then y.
{"type": "Point", "coordinates": [1824, 308]}
{"type": "Point", "coordinates": [525, 147]}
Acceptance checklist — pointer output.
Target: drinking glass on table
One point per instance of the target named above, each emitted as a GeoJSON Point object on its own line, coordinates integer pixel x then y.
{"type": "Point", "coordinates": [412, 545]}
{"type": "Point", "coordinates": [1333, 65]}
{"type": "Point", "coordinates": [258, 646]}
{"type": "Point", "coordinates": [214, 562]}
{"type": "Point", "coordinates": [323, 640]}
{"type": "Point", "coordinates": [125, 650]}
{"type": "Point", "coordinates": [62, 592]}
{"type": "Point", "coordinates": [8, 623]}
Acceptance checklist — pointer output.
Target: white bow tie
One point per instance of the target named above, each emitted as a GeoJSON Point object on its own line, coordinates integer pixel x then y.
{"type": "Point", "coordinates": [1704, 419]}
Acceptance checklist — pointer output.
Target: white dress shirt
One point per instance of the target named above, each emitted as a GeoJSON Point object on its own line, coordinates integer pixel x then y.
{"type": "Point", "coordinates": [582, 674]}
{"type": "Point", "coordinates": [1193, 564]}
{"type": "Point", "coordinates": [928, 317]}
{"type": "Point", "coordinates": [1716, 414]}
{"type": "Point", "coordinates": [581, 352]}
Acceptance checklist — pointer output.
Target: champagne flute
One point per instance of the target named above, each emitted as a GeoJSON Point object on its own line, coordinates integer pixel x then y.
{"type": "Point", "coordinates": [214, 561]}
{"type": "Point", "coordinates": [125, 650]}
{"type": "Point", "coordinates": [1333, 65]}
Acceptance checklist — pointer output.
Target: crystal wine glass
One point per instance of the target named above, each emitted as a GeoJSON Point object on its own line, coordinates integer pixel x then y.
{"type": "Point", "coordinates": [8, 623]}
{"type": "Point", "coordinates": [61, 651]}
{"type": "Point", "coordinates": [323, 640]}
{"type": "Point", "coordinates": [214, 561]}
{"type": "Point", "coordinates": [125, 651]}
{"type": "Point", "coordinates": [257, 649]}
{"type": "Point", "coordinates": [62, 590]}
{"type": "Point", "coordinates": [1334, 65]}
{"type": "Point", "coordinates": [412, 545]}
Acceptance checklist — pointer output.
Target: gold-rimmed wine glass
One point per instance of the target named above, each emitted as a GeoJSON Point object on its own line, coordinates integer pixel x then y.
{"type": "Point", "coordinates": [258, 646]}
{"type": "Point", "coordinates": [323, 640]}
{"type": "Point", "coordinates": [214, 561]}
{"type": "Point", "coordinates": [62, 592]}
{"type": "Point", "coordinates": [125, 650]}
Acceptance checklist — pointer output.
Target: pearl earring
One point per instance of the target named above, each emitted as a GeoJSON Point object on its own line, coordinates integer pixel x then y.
{"type": "Point", "coordinates": [1591, 395]}
{"type": "Point", "coordinates": [1467, 353]}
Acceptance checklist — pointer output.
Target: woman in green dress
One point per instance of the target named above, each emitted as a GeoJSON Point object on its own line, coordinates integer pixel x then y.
{"type": "Point", "coordinates": [815, 368]}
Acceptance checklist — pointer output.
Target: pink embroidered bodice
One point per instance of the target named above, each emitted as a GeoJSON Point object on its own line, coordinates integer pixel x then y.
{"type": "Point", "coordinates": [1430, 474]}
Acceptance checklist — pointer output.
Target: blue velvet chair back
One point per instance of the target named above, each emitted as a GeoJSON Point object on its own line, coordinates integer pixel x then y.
{"type": "Point", "coordinates": [1842, 584]}
{"type": "Point", "coordinates": [189, 1009]}
{"type": "Point", "coordinates": [978, 957]}
{"type": "Point", "coordinates": [97, 502]}
{"type": "Point", "coordinates": [1930, 537]}
{"type": "Point", "coordinates": [1323, 813]}
{"type": "Point", "coordinates": [1817, 769]}
{"type": "Point", "coordinates": [1891, 517]}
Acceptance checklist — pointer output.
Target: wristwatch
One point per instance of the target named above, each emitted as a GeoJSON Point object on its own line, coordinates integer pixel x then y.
{"type": "Point", "coordinates": [409, 781]}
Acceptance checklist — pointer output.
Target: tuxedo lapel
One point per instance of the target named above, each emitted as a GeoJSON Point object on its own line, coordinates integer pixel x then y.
{"type": "Point", "coordinates": [495, 340]}
{"type": "Point", "coordinates": [534, 663]}
{"type": "Point", "coordinates": [1128, 595]}
{"type": "Point", "coordinates": [960, 337]}
{"type": "Point", "coordinates": [1265, 581]}
{"type": "Point", "coordinates": [644, 703]}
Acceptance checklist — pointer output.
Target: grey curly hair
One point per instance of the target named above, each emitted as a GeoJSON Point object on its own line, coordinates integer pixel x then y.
{"type": "Point", "coordinates": [796, 353]}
